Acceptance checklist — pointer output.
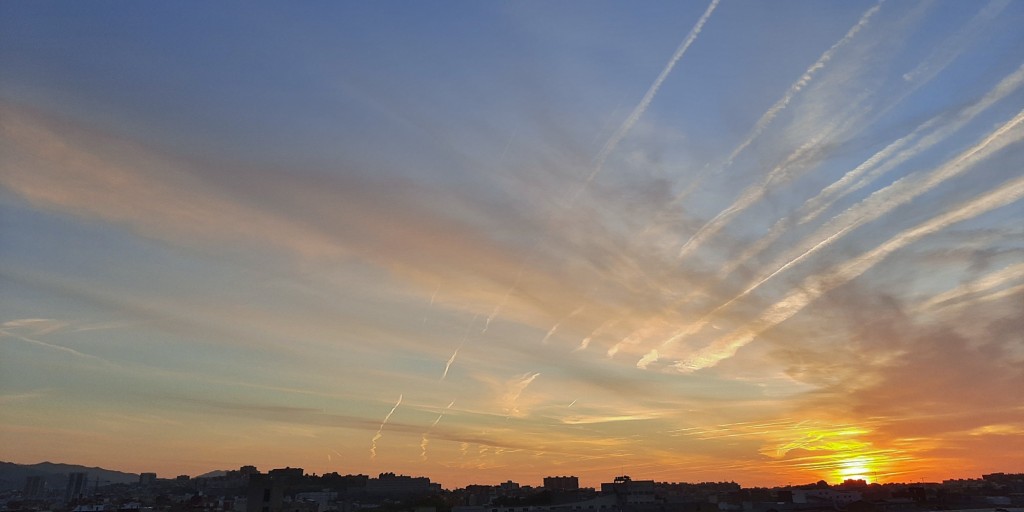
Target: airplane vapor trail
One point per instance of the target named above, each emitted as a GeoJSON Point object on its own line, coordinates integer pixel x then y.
{"type": "Point", "coordinates": [559, 323]}
{"type": "Point", "coordinates": [504, 300]}
{"type": "Point", "coordinates": [815, 286]}
{"type": "Point", "coordinates": [802, 82]}
{"type": "Point", "coordinates": [4, 332]}
{"type": "Point", "coordinates": [424, 441]}
{"type": "Point", "coordinates": [641, 107]}
{"type": "Point", "coordinates": [465, 336]}
{"type": "Point", "coordinates": [952, 47]}
{"type": "Point", "coordinates": [379, 434]}
{"type": "Point", "coordinates": [988, 282]}
{"type": "Point", "coordinates": [450, 361]}
{"type": "Point", "coordinates": [880, 163]}
{"type": "Point", "coordinates": [876, 205]}
{"type": "Point", "coordinates": [946, 127]}
{"type": "Point", "coordinates": [896, 194]}
{"type": "Point", "coordinates": [755, 192]}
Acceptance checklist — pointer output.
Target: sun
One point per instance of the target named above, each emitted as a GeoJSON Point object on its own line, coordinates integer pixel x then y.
{"type": "Point", "coordinates": [857, 468]}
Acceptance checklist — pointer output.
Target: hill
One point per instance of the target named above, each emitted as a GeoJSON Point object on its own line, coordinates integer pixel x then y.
{"type": "Point", "coordinates": [12, 476]}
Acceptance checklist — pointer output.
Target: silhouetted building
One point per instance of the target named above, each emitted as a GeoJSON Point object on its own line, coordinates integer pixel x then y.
{"type": "Point", "coordinates": [508, 488]}
{"type": "Point", "coordinates": [561, 483]}
{"type": "Point", "coordinates": [147, 478]}
{"type": "Point", "coordinates": [264, 494]}
{"type": "Point", "coordinates": [825, 497]}
{"type": "Point", "coordinates": [76, 486]}
{"type": "Point", "coordinates": [398, 486]}
{"type": "Point", "coordinates": [35, 487]}
{"type": "Point", "coordinates": [629, 491]}
{"type": "Point", "coordinates": [287, 474]}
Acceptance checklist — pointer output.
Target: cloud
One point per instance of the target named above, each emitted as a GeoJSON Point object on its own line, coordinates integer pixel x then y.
{"type": "Point", "coordinates": [816, 285]}
{"type": "Point", "coordinates": [514, 388]}
{"type": "Point", "coordinates": [645, 102]}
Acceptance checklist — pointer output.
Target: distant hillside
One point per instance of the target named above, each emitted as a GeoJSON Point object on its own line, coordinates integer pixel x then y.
{"type": "Point", "coordinates": [12, 476]}
{"type": "Point", "coordinates": [213, 474]}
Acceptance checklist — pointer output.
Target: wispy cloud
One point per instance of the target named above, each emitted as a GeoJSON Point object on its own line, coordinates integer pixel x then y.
{"type": "Point", "coordinates": [645, 102]}
{"type": "Point", "coordinates": [806, 78]}
{"type": "Point", "coordinates": [816, 285]}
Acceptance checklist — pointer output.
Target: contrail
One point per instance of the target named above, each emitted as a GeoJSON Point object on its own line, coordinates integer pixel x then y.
{"type": "Point", "coordinates": [816, 285]}
{"type": "Point", "coordinates": [425, 440]}
{"type": "Point", "coordinates": [627, 125]}
{"type": "Point", "coordinates": [646, 360]}
{"type": "Point", "coordinates": [600, 329]}
{"type": "Point", "coordinates": [988, 282]}
{"type": "Point", "coordinates": [449, 363]}
{"type": "Point", "coordinates": [516, 387]}
{"type": "Point", "coordinates": [946, 127]}
{"type": "Point", "coordinates": [378, 435]}
{"type": "Point", "coordinates": [559, 323]}
{"type": "Point", "coordinates": [881, 163]}
{"type": "Point", "coordinates": [897, 194]}
{"type": "Point", "coordinates": [952, 47]}
{"type": "Point", "coordinates": [755, 192]}
{"type": "Point", "coordinates": [878, 204]}
{"type": "Point", "coordinates": [465, 336]}
{"type": "Point", "coordinates": [4, 332]}
{"type": "Point", "coordinates": [794, 89]}
{"type": "Point", "coordinates": [639, 110]}
{"type": "Point", "coordinates": [432, 297]}
{"type": "Point", "coordinates": [504, 300]}
{"type": "Point", "coordinates": [802, 82]}
{"type": "Point", "coordinates": [507, 145]}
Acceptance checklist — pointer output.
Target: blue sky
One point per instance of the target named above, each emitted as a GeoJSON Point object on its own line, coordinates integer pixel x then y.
{"type": "Point", "coordinates": [759, 242]}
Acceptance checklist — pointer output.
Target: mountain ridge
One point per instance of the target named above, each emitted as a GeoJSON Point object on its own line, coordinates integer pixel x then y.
{"type": "Point", "coordinates": [13, 475]}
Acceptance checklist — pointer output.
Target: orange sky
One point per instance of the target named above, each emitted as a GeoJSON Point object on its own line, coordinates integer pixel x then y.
{"type": "Point", "coordinates": [768, 243]}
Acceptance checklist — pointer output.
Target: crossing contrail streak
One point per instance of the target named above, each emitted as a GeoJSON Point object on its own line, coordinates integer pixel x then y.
{"type": "Point", "coordinates": [624, 129]}
{"type": "Point", "coordinates": [896, 194]}
{"type": "Point", "coordinates": [802, 82]}
{"type": "Point", "coordinates": [988, 282]}
{"type": "Point", "coordinates": [944, 127]}
{"type": "Point", "coordinates": [876, 166]}
{"type": "Point", "coordinates": [378, 435]}
{"type": "Point", "coordinates": [753, 193]}
{"type": "Point", "coordinates": [882, 162]}
{"type": "Point", "coordinates": [878, 204]}
{"type": "Point", "coordinates": [815, 285]}
{"type": "Point", "coordinates": [769, 115]}
{"type": "Point", "coordinates": [641, 107]}
{"type": "Point", "coordinates": [952, 47]}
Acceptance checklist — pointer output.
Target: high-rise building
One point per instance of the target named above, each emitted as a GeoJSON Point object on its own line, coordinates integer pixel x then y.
{"type": "Point", "coordinates": [264, 493]}
{"type": "Point", "coordinates": [147, 478]}
{"type": "Point", "coordinates": [35, 487]}
{"type": "Point", "coordinates": [76, 486]}
{"type": "Point", "coordinates": [561, 483]}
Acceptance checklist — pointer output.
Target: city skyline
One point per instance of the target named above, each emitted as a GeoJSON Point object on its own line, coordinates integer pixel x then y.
{"type": "Point", "coordinates": [685, 241]}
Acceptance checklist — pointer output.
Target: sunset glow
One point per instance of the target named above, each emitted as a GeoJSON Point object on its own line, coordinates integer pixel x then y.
{"type": "Point", "coordinates": [763, 242]}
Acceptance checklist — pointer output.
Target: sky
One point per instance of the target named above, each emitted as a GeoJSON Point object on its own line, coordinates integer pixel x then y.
{"type": "Point", "coordinates": [770, 243]}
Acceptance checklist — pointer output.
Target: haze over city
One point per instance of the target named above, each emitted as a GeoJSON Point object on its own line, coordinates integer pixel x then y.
{"type": "Point", "coordinates": [762, 242]}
